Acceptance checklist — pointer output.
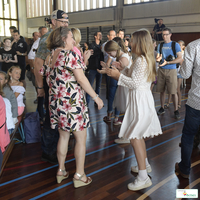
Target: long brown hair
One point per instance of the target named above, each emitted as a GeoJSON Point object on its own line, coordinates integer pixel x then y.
{"type": "Point", "coordinates": [121, 44]}
{"type": "Point", "coordinates": [113, 46]}
{"type": "Point", "coordinates": [142, 44]}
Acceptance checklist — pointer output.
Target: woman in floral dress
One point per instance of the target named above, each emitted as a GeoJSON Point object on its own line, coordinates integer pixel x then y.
{"type": "Point", "coordinates": [67, 105]}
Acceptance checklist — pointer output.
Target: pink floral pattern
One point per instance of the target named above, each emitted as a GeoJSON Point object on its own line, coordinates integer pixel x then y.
{"type": "Point", "coordinates": [67, 105]}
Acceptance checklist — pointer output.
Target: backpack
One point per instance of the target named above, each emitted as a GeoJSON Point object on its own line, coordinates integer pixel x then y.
{"type": "Point", "coordinates": [173, 49]}
{"type": "Point", "coordinates": [32, 128]}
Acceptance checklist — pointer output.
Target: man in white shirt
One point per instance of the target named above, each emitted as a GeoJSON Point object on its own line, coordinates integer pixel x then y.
{"type": "Point", "coordinates": [190, 67]}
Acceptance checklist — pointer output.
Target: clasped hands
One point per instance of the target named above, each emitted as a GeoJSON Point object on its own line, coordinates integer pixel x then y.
{"type": "Point", "coordinates": [159, 58]}
{"type": "Point", "coordinates": [113, 71]}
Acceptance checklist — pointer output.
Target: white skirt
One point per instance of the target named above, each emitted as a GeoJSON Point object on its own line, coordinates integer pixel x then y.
{"type": "Point", "coordinates": [140, 119]}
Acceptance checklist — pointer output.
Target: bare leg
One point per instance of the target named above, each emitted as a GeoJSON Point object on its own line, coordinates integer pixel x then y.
{"type": "Point", "coordinates": [175, 101]}
{"type": "Point", "coordinates": [79, 153]}
{"type": "Point", "coordinates": [179, 90]}
{"type": "Point", "coordinates": [162, 99]}
{"type": "Point", "coordinates": [152, 85]}
{"type": "Point", "coordinates": [62, 148]}
{"type": "Point", "coordinates": [169, 98]}
{"type": "Point", "coordinates": [140, 152]}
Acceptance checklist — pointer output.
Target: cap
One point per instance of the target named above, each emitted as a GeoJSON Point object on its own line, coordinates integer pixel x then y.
{"type": "Point", "coordinates": [59, 14]}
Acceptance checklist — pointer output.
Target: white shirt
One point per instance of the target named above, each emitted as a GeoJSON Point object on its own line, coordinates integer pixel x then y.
{"type": "Point", "coordinates": [9, 120]}
{"type": "Point", "coordinates": [31, 54]}
{"type": "Point", "coordinates": [191, 67]}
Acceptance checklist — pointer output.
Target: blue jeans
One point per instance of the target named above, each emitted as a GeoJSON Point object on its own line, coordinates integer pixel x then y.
{"type": "Point", "coordinates": [111, 85]}
{"type": "Point", "coordinates": [190, 128]}
{"type": "Point", "coordinates": [92, 75]}
{"type": "Point", "coordinates": [49, 136]}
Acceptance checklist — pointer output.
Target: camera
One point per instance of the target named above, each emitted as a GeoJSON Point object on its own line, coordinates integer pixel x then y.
{"type": "Point", "coordinates": [170, 58]}
{"type": "Point", "coordinates": [156, 20]}
{"type": "Point", "coordinates": [48, 20]}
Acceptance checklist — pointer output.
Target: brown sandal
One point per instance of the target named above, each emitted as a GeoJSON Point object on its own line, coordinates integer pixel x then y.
{"type": "Point", "coordinates": [166, 106]}
{"type": "Point", "coordinates": [79, 182]}
{"type": "Point", "coordinates": [62, 177]}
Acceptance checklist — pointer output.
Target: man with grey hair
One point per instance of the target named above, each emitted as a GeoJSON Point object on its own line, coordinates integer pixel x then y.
{"type": "Point", "coordinates": [49, 136]}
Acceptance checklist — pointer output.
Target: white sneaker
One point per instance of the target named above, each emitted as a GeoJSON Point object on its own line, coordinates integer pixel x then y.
{"type": "Point", "coordinates": [138, 184]}
{"type": "Point", "coordinates": [121, 141]}
{"type": "Point", "coordinates": [135, 169]}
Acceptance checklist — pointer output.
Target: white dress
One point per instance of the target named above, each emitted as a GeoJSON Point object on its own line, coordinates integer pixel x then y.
{"type": "Point", "coordinates": [121, 95]}
{"type": "Point", "coordinates": [140, 119]}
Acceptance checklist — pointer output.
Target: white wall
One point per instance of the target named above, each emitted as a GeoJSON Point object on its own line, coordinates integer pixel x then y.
{"type": "Point", "coordinates": [179, 15]}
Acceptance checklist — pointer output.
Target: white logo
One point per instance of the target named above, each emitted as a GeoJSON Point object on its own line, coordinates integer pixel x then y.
{"type": "Point", "coordinates": [20, 45]}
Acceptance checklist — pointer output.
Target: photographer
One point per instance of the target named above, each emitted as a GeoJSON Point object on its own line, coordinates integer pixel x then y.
{"type": "Point", "coordinates": [167, 74]}
{"type": "Point", "coordinates": [157, 30]}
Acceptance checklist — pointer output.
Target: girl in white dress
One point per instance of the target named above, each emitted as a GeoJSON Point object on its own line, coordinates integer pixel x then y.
{"type": "Point", "coordinates": [14, 74]}
{"type": "Point", "coordinates": [140, 119]}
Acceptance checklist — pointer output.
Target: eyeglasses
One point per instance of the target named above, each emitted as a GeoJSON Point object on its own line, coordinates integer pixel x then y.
{"type": "Point", "coordinates": [64, 22]}
{"type": "Point", "coordinates": [165, 34]}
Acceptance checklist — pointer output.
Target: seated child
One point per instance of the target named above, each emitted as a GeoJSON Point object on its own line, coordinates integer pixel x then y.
{"type": "Point", "coordinates": [14, 74]}
{"type": "Point", "coordinates": [9, 95]}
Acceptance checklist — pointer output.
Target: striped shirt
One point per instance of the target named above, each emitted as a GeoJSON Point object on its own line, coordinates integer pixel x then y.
{"type": "Point", "coordinates": [191, 67]}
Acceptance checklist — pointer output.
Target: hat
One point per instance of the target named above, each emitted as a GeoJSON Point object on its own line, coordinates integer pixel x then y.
{"type": "Point", "coordinates": [59, 14]}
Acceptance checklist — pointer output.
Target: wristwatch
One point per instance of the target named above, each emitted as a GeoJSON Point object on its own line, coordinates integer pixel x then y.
{"type": "Point", "coordinates": [22, 54]}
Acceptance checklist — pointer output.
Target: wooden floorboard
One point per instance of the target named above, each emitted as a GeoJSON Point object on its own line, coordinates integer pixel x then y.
{"type": "Point", "coordinates": [25, 176]}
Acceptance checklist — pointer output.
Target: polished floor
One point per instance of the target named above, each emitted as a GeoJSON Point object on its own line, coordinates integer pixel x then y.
{"type": "Point", "coordinates": [27, 177]}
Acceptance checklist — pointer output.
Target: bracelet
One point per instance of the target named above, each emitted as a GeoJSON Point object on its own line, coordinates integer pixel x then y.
{"type": "Point", "coordinates": [40, 87]}
{"type": "Point", "coordinates": [168, 63]}
{"type": "Point", "coordinates": [22, 54]}
{"type": "Point", "coordinates": [95, 97]}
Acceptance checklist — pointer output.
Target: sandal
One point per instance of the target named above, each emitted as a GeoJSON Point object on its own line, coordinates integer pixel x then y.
{"type": "Point", "coordinates": [62, 177]}
{"type": "Point", "coordinates": [166, 106]}
{"type": "Point", "coordinates": [107, 119]}
{"type": "Point", "coordinates": [79, 182]}
{"type": "Point", "coordinates": [179, 106]}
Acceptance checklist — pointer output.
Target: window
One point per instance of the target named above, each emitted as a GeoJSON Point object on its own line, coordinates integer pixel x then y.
{"type": "Point", "coordinates": [8, 16]}
{"type": "Point", "coordinates": [80, 5]}
{"type": "Point", "coordinates": [38, 8]}
{"type": "Point", "coordinates": [137, 1]}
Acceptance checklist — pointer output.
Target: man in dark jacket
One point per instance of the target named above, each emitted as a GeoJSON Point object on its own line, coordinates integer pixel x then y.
{"type": "Point", "coordinates": [94, 63]}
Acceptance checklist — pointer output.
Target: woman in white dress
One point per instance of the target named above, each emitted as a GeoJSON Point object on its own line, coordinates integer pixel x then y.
{"type": "Point", "coordinates": [140, 119]}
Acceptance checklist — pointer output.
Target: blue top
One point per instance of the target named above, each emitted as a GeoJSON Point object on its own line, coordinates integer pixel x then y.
{"type": "Point", "coordinates": [166, 51]}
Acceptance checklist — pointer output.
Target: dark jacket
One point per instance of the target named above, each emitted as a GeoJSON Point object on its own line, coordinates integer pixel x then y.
{"type": "Point", "coordinates": [94, 60]}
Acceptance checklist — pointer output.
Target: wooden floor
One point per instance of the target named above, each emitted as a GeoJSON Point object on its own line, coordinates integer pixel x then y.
{"type": "Point", "coordinates": [27, 177]}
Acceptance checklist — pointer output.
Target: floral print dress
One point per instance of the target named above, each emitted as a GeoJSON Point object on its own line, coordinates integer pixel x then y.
{"type": "Point", "coordinates": [67, 105]}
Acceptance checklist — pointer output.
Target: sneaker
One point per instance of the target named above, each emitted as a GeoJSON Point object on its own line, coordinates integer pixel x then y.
{"type": "Point", "coordinates": [106, 119]}
{"type": "Point", "coordinates": [122, 141]}
{"type": "Point", "coordinates": [118, 122]}
{"type": "Point", "coordinates": [177, 169]}
{"type": "Point", "coordinates": [139, 184]}
{"type": "Point", "coordinates": [135, 169]}
{"type": "Point", "coordinates": [49, 158]}
{"type": "Point", "coordinates": [176, 114]}
{"type": "Point", "coordinates": [161, 111]}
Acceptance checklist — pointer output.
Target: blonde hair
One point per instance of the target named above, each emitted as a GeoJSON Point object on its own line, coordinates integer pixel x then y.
{"type": "Point", "coordinates": [5, 77]}
{"type": "Point", "coordinates": [10, 71]}
{"type": "Point", "coordinates": [121, 44]}
{"type": "Point", "coordinates": [77, 35]}
{"type": "Point", "coordinates": [113, 46]}
{"type": "Point", "coordinates": [55, 39]}
{"type": "Point", "coordinates": [183, 44]}
{"type": "Point", "coordinates": [142, 45]}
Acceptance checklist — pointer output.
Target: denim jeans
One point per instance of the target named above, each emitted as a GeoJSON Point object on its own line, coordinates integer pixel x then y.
{"type": "Point", "coordinates": [190, 128]}
{"type": "Point", "coordinates": [111, 85]}
{"type": "Point", "coordinates": [49, 136]}
{"type": "Point", "coordinates": [92, 75]}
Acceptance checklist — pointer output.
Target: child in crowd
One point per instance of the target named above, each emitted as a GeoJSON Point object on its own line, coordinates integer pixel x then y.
{"type": "Point", "coordinates": [9, 95]}
{"type": "Point", "coordinates": [4, 134]}
{"type": "Point", "coordinates": [118, 51]}
{"type": "Point", "coordinates": [140, 119]}
{"type": "Point", "coordinates": [14, 74]}
{"type": "Point", "coordinates": [8, 56]}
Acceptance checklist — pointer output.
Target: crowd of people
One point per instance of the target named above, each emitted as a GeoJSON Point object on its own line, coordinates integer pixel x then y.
{"type": "Point", "coordinates": [132, 67]}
